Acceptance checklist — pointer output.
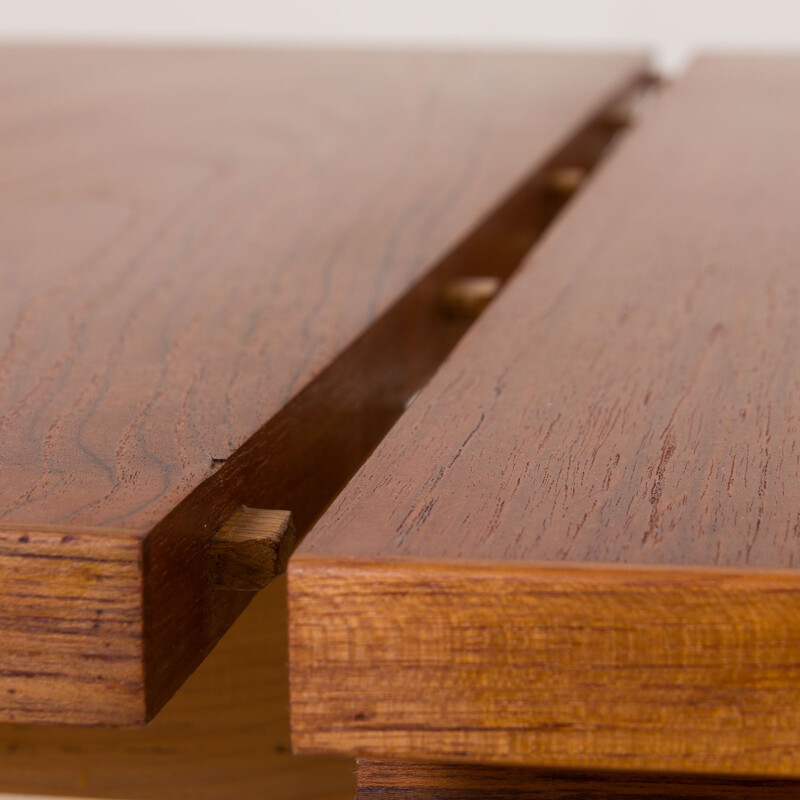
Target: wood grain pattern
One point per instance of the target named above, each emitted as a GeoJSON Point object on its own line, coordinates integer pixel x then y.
{"type": "Point", "coordinates": [88, 652]}
{"type": "Point", "coordinates": [379, 780]}
{"type": "Point", "coordinates": [632, 395]}
{"type": "Point", "coordinates": [251, 548]}
{"type": "Point", "coordinates": [225, 734]}
{"type": "Point", "coordinates": [209, 261]}
{"type": "Point", "coordinates": [630, 400]}
{"type": "Point", "coordinates": [579, 667]}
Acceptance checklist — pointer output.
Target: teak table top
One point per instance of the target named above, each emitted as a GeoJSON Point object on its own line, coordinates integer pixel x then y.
{"type": "Point", "coordinates": [194, 248]}
{"type": "Point", "coordinates": [578, 547]}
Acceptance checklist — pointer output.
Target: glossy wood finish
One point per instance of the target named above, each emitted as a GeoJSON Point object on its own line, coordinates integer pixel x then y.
{"type": "Point", "coordinates": [591, 513]}
{"type": "Point", "coordinates": [225, 734]}
{"type": "Point", "coordinates": [210, 261]}
{"type": "Point", "coordinates": [379, 780]}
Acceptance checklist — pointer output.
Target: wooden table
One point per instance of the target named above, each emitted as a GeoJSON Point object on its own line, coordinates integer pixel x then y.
{"type": "Point", "coordinates": [224, 275]}
{"type": "Point", "coordinates": [578, 548]}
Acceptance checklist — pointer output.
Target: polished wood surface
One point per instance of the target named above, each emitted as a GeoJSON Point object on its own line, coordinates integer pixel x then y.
{"type": "Point", "coordinates": [209, 261]}
{"type": "Point", "coordinates": [224, 735]}
{"type": "Point", "coordinates": [578, 547]}
{"type": "Point", "coordinates": [378, 780]}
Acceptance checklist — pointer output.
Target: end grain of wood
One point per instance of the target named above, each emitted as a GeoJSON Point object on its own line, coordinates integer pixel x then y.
{"type": "Point", "coordinates": [251, 548]}
{"type": "Point", "coordinates": [566, 181]}
{"type": "Point", "coordinates": [467, 297]}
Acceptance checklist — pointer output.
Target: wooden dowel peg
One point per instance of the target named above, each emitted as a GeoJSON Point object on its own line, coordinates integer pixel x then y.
{"type": "Point", "coordinates": [251, 548]}
{"type": "Point", "coordinates": [565, 181]}
{"type": "Point", "coordinates": [618, 117]}
{"type": "Point", "coordinates": [466, 297]}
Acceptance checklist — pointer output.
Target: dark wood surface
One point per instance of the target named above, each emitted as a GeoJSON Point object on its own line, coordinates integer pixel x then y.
{"type": "Point", "coordinates": [196, 248]}
{"type": "Point", "coordinates": [379, 780]}
{"type": "Point", "coordinates": [578, 546]}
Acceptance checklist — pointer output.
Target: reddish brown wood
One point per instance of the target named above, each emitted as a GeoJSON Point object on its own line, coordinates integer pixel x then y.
{"type": "Point", "coordinates": [625, 414]}
{"type": "Point", "coordinates": [215, 268]}
{"type": "Point", "coordinates": [224, 735]}
{"type": "Point", "coordinates": [601, 667]}
{"type": "Point", "coordinates": [379, 780]}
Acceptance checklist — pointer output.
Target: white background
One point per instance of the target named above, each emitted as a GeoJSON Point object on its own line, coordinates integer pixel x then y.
{"type": "Point", "coordinates": [671, 29]}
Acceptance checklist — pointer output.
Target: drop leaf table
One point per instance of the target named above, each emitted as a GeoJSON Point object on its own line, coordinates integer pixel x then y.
{"type": "Point", "coordinates": [505, 344]}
